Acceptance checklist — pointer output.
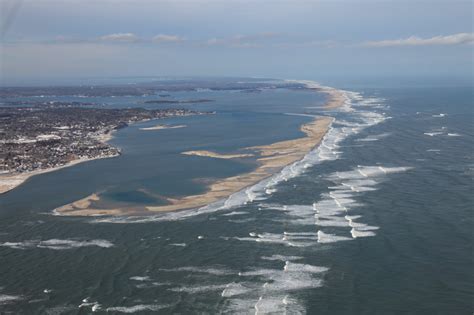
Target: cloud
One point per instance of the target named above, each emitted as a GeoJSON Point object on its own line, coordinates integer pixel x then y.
{"type": "Point", "coordinates": [244, 41]}
{"type": "Point", "coordinates": [120, 37]}
{"type": "Point", "coordinates": [162, 38]}
{"type": "Point", "coordinates": [213, 41]}
{"type": "Point", "coordinates": [455, 39]}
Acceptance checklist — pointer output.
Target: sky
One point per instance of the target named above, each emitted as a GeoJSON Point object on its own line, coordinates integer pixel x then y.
{"type": "Point", "coordinates": [52, 40]}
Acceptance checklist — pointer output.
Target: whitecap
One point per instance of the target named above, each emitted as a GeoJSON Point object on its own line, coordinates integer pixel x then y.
{"type": "Point", "coordinates": [281, 257]}
{"type": "Point", "coordinates": [330, 238]}
{"type": "Point", "coordinates": [57, 244]}
{"type": "Point", "coordinates": [216, 271]}
{"type": "Point", "coordinates": [233, 289]}
{"type": "Point", "coordinates": [371, 138]}
{"type": "Point", "coordinates": [140, 278]}
{"type": "Point", "coordinates": [360, 233]}
{"type": "Point", "coordinates": [199, 289]}
{"type": "Point", "coordinates": [235, 213]}
{"type": "Point", "coordinates": [432, 134]}
{"type": "Point", "coordinates": [178, 244]}
{"type": "Point", "coordinates": [136, 308]}
{"type": "Point", "coordinates": [6, 298]}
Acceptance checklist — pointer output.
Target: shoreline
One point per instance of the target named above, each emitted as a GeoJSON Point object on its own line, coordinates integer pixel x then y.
{"type": "Point", "coordinates": [10, 181]}
{"type": "Point", "coordinates": [271, 159]}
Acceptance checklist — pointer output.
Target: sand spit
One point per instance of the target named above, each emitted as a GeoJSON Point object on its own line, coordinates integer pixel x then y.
{"type": "Point", "coordinates": [161, 127]}
{"type": "Point", "coordinates": [336, 98]}
{"type": "Point", "coordinates": [217, 155]}
{"type": "Point", "coordinates": [271, 159]}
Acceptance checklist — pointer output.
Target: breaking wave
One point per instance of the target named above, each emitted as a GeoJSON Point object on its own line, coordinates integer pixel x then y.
{"type": "Point", "coordinates": [57, 244]}
{"type": "Point", "coordinates": [136, 308]}
{"type": "Point", "coordinates": [354, 116]}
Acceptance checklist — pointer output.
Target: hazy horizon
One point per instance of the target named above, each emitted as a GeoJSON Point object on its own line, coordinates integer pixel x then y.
{"type": "Point", "coordinates": [45, 42]}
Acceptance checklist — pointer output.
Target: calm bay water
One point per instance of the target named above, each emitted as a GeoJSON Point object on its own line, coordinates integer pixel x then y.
{"type": "Point", "coordinates": [378, 220]}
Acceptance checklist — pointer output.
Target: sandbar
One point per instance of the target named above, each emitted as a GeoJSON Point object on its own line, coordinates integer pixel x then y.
{"type": "Point", "coordinates": [161, 127]}
{"type": "Point", "coordinates": [216, 155]}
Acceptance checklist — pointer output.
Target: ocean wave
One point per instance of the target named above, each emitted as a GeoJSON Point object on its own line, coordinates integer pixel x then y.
{"type": "Point", "coordinates": [282, 257]}
{"type": "Point", "coordinates": [234, 289]}
{"type": "Point", "coordinates": [216, 271]}
{"type": "Point", "coordinates": [140, 278]}
{"type": "Point", "coordinates": [6, 298]}
{"type": "Point", "coordinates": [325, 238]}
{"type": "Point", "coordinates": [57, 244]}
{"type": "Point", "coordinates": [199, 288]}
{"type": "Point", "coordinates": [235, 213]}
{"type": "Point", "coordinates": [261, 289]}
{"type": "Point", "coordinates": [377, 137]}
{"type": "Point", "coordinates": [434, 133]}
{"type": "Point", "coordinates": [331, 211]}
{"type": "Point", "coordinates": [178, 244]}
{"type": "Point", "coordinates": [136, 308]}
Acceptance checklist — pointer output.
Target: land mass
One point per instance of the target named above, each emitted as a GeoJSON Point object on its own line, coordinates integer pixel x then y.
{"type": "Point", "coordinates": [271, 159]}
{"type": "Point", "coordinates": [160, 88]}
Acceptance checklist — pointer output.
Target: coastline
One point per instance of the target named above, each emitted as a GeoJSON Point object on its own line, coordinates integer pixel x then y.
{"type": "Point", "coordinates": [271, 158]}
{"type": "Point", "coordinates": [11, 181]}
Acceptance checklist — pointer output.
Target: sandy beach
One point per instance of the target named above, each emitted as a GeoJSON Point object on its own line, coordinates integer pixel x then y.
{"type": "Point", "coordinates": [217, 155]}
{"type": "Point", "coordinates": [161, 127]}
{"type": "Point", "coordinates": [271, 159]}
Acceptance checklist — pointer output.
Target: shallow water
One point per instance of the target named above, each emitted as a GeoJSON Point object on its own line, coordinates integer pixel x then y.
{"type": "Point", "coordinates": [378, 219]}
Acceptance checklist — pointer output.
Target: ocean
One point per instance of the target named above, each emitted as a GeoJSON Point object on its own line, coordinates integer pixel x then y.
{"type": "Point", "coordinates": [376, 220]}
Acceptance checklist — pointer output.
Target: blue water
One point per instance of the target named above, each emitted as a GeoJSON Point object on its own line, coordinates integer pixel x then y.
{"type": "Point", "coordinates": [378, 220]}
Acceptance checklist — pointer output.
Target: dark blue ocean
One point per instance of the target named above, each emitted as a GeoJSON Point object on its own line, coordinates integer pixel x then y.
{"type": "Point", "coordinates": [376, 220]}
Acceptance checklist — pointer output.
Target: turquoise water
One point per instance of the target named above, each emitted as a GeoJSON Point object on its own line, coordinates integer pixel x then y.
{"type": "Point", "coordinates": [378, 220]}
